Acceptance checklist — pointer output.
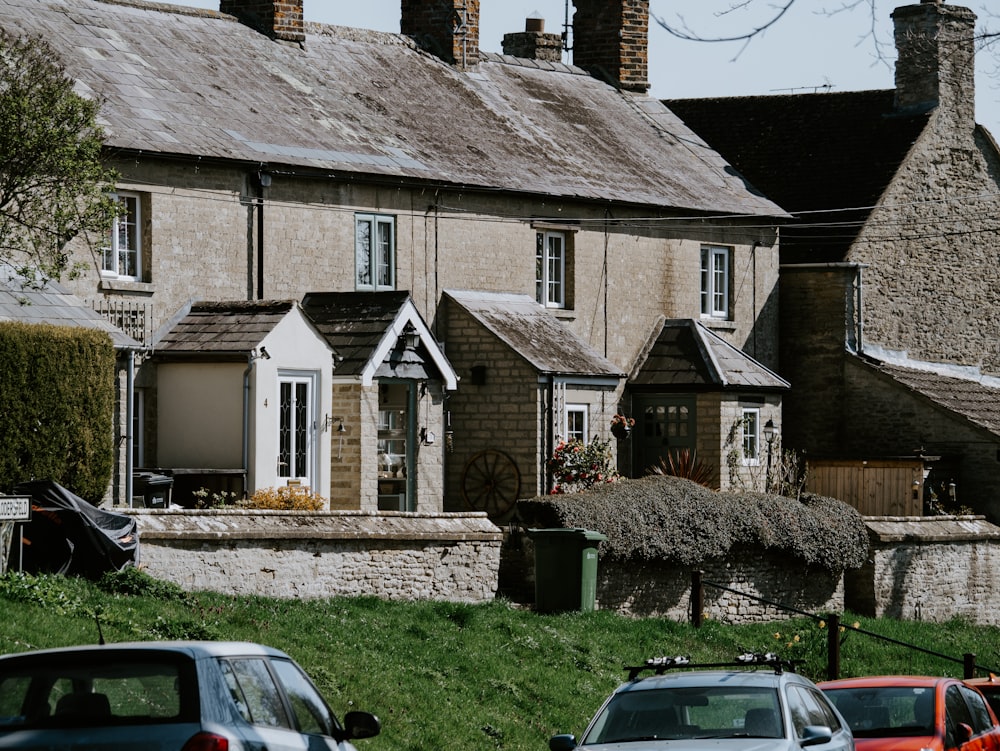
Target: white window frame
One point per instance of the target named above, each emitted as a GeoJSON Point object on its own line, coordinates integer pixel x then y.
{"type": "Point", "coordinates": [375, 265]}
{"type": "Point", "coordinates": [583, 411]}
{"type": "Point", "coordinates": [126, 228]}
{"type": "Point", "coordinates": [550, 268]}
{"type": "Point", "coordinates": [750, 436]}
{"type": "Point", "coordinates": [715, 281]}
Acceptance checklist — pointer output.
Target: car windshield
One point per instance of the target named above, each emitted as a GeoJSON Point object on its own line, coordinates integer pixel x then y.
{"type": "Point", "coordinates": [693, 712]}
{"type": "Point", "coordinates": [96, 689]}
{"type": "Point", "coordinates": [886, 711]}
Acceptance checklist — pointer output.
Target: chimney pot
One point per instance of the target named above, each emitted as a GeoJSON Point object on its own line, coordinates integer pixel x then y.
{"type": "Point", "coordinates": [533, 23]}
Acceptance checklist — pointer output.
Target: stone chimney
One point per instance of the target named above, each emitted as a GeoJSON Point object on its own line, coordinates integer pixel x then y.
{"type": "Point", "coordinates": [611, 40]}
{"type": "Point", "coordinates": [936, 60]}
{"type": "Point", "coordinates": [533, 43]}
{"type": "Point", "coordinates": [446, 28]}
{"type": "Point", "coordinates": [279, 19]}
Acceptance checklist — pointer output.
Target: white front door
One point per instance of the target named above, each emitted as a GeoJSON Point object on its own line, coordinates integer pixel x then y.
{"type": "Point", "coordinates": [296, 428]}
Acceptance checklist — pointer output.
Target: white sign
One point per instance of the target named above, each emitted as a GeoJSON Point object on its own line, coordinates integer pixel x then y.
{"type": "Point", "coordinates": [15, 508]}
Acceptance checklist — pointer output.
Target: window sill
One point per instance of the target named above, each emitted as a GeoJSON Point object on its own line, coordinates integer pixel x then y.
{"type": "Point", "coordinates": [563, 314]}
{"type": "Point", "coordinates": [126, 285]}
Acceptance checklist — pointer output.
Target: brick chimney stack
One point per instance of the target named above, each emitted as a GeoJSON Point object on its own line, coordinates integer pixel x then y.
{"type": "Point", "coordinates": [446, 28]}
{"type": "Point", "coordinates": [611, 40]}
{"type": "Point", "coordinates": [279, 19]}
{"type": "Point", "coordinates": [533, 43]}
{"type": "Point", "coordinates": [936, 60]}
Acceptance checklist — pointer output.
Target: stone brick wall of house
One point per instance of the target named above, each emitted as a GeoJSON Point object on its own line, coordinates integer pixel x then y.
{"type": "Point", "coordinates": [816, 311]}
{"type": "Point", "coordinates": [880, 419]}
{"type": "Point", "coordinates": [926, 287]}
{"type": "Point", "coordinates": [306, 555]}
{"type": "Point", "coordinates": [746, 473]}
{"type": "Point", "coordinates": [345, 449]}
{"type": "Point", "coordinates": [204, 243]}
{"type": "Point", "coordinates": [430, 453]}
{"type": "Point", "coordinates": [496, 407]}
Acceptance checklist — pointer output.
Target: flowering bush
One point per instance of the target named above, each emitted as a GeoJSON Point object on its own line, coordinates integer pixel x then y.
{"type": "Point", "coordinates": [576, 465]}
{"type": "Point", "coordinates": [287, 498]}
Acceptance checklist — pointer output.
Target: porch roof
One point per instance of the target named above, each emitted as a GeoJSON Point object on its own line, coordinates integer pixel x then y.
{"type": "Point", "coordinates": [51, 303]}
{"type": "Point", "coordinates": [535, 334]}
{"type": "Point", "coordinates": [220, 329]}
{"type": "Point", "coordinates": [684, 353]}
{"type": "Point", "coordinates": [364, 327]}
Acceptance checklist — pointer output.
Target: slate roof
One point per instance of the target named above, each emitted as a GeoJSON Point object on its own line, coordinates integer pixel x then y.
{"type": "Point", "coordinates": [977, 402]}
{"type": "Point", "coordinates": [353, 323]}
{"type": "Point", "coordinates": [51, 303]}
{"type": "Point", "coordinates": [184, 81]}
{"type": "Point", "coordinates": [535, 334]}
{"type": "Point", "coordinates": [810, 153]}
{"type": "Point", "coordinates": [686, 354]}
{"type": "Point", "coordinates": [221, 330]}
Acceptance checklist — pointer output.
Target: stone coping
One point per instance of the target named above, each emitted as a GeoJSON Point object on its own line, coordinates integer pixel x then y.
{"type": "Point", "coordinates": [249, 524]}
{"type": "Point", "coordinates": [930, 529]}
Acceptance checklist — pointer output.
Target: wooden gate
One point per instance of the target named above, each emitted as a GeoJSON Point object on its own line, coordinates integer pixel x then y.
{"type": "Point", "coordinates": [877, 487]}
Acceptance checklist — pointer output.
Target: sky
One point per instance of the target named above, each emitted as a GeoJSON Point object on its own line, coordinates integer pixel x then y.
{"type": "Point", "coordinates": [809, 49]}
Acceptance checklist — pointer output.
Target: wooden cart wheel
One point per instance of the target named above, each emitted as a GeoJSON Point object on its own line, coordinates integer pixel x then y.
{"type": "Point", "coordinates": [491, 482]}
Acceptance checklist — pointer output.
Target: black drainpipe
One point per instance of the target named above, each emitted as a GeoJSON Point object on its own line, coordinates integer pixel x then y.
{"type": "Point", "coordinates": [263, 181]}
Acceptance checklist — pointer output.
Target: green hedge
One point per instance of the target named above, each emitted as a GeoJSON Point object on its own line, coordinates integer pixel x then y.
{"type": "Point", "coordinates": [57, 407]}
{"type": "Point", "coordinates": [664, 518]}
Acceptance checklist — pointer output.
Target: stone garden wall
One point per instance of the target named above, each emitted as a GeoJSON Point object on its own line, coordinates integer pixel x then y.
{"type": "Point", "coordinates": [399, 556]}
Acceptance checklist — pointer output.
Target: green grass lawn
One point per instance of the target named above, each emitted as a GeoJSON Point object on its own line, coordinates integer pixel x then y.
{"type": "Point", "coordinates": [448, 676]}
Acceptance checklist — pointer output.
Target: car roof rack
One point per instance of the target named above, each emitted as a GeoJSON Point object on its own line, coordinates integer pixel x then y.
{"type": "Point", "coordinates": [660, 665]}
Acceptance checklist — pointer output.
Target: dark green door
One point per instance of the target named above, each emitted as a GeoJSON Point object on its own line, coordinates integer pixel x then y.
{"type": "Point", "coordinates": [663, 423]}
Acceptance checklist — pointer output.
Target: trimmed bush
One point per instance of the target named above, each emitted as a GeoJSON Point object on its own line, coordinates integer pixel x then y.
{"type": "Point", "coordinates": [57, 407]}
{"type": "Point", "coordinates": [287, 498]}
{"type": "Point", "coordinates": [664, 518]}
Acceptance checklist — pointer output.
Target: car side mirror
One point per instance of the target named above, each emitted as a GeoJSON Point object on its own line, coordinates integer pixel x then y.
{"type": "Point", "coordinates": [361, 725]}
{"type": "Point", "coordinates": [563, 742]}
{"type": "Point", "coordinates": [964, 732]}
{"type": "Point", "coordinates": [813, 735]}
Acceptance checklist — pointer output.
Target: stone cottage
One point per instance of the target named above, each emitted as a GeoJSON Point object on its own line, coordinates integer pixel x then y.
{"type": "Point", "coordinates": [483, 254]}
{"type": "Point", "coordinates": [890, 286]}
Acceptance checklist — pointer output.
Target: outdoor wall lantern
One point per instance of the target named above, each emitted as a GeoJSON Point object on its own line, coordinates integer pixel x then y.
{"type": "Point", "coordinates": [411, 337]}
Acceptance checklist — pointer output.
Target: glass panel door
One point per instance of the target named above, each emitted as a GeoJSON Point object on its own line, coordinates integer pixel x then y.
{"type": "Point", "coordinates": [295, 428]}
{"type": "Point", "coordinates": [666, 424]}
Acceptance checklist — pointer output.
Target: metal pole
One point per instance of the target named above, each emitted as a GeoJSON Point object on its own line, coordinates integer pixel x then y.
{"type": "Point", "coordinates": [833, 648]}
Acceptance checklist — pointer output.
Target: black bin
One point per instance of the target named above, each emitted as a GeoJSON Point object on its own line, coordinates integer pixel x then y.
{"type": "Point", "coordinates": [153, 488]}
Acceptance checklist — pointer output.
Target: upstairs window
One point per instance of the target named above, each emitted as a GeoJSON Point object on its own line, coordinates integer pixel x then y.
{"type": "Point", "coordinates": [375, 252]}
{"type": "Point", "coordinates": [121, 257]}
{"type": "Point", "coordinates": [550, 269]}
{"type": "Point", "coordinates": [714, 281]}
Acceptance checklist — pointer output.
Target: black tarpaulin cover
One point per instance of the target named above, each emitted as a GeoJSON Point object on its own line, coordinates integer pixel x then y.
{"type": "Point", "coordinates": [68, 535]}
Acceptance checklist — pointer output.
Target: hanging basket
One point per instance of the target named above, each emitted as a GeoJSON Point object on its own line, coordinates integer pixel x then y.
{"type": "Point", "coordinates": [620, 431]}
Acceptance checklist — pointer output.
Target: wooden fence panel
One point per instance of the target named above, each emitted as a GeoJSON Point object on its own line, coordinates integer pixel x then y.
{"type": "Point", "coordinates": [888, 487]}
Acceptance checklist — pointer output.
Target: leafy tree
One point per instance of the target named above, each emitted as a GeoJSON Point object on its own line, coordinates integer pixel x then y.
{"type": "Point", "coordinates": [53, 185]}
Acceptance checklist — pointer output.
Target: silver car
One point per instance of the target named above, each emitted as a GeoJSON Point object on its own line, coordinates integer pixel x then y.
{"type": "Point", "coordinates": [155, 696]}
{"type": "Point", "coordinates": [754, 704]}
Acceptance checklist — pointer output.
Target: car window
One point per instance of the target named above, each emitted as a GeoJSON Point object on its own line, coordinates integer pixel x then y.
{"type": "Point", "coordinates": [981, 721]}
{"type": "Point", "coordinates": [96, 689]}
{"type": "Point", "coordinates": [809, 708]}
{"type": "Point", "coordinates": [885, 711]}
{"type": "Point", "coordinates": [310, 710]}
{"type": "Point", "coordinates": [689, 712]}
{"type": "Point", "coordinates": [255, 692]}
{"type": "Point", "coordinates": [816, 707]}
{"type": "Point", "coordinates": [956, 712]}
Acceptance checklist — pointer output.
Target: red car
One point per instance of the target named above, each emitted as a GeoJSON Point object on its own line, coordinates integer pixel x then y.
{"type": "Point", "coordinates": [909, 713]}
{"type": "Point", "coordinates": [990, 688]}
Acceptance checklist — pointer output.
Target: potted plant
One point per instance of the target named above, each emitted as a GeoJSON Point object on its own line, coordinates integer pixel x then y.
{"type": "Point", "coordinates": [621, 426]}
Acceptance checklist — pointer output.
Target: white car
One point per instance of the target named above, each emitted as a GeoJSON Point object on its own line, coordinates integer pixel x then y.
{"type": "Point", "coordinates": [160, 696]}
{"type": "Point", "coordinates": [755, 704]}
